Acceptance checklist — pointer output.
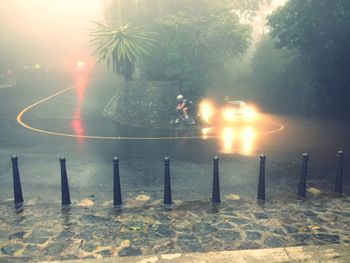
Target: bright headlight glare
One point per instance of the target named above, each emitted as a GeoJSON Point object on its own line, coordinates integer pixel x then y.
{"type": "Point", "coordinates": [229, 114]}
{"type": "Point", "coordinates": [206, 111]}
{"type": "Point", "coordinates": [250, 114]}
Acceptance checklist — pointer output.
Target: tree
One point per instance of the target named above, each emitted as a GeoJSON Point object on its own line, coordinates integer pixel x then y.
{"type": "Point", "coordinates": [121, 47]}
{"type": "Point", "coordinates": [194, 38]}
{"type": "Point", "coordinates": [280, 80]}
{"type": "Point", "coordinates": [144, 11]}
{"type": "Point", "coordinates": [319, 30]}
{"type": "Point", "coordinates": [193, 44]}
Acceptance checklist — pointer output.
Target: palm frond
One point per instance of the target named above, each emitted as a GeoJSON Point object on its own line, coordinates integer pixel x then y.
{"type": "Point", "coordinates": [121, 47]}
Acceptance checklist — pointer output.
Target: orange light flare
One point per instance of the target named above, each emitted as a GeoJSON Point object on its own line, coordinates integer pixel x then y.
{"type": "Point", "coordinates": [82, 66]}
{"type": "Point", "coordinates": [248, 136]}
{"type": "Point", "coordinates": [78, 127]}
{"type": "Point", "coordinates": [206, 110]}
{"type": "Point", "coordinates": [80, 88]}
{"type": "Point", "coordinates": [76, 122]}
{"type": "Point", "coordinates": [78, 63]}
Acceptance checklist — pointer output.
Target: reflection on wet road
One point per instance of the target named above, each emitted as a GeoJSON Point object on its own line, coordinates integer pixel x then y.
{"type": "Point", "coordinates": [69, 123]}
{"type": "Point", "coordinates": [240, 138]}
{"type": "Point", "coordinates": [77, 122]}
{"type": "Point", "coordinates": [237, 137]}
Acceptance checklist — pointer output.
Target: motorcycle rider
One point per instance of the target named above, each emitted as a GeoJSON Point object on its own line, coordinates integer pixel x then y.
{"type": "Point", "coordinates": [184, 107]}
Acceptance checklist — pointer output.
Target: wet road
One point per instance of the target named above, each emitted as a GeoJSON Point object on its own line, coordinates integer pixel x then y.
{"type": "Point", "coordinates": [77, 112]}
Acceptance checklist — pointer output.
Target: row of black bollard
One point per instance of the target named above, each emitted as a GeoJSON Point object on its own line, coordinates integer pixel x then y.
{"type": "Point", "coordinates": [216, 184]}
{"type": "Point", "coordinates": [17, 188]}
{"type": "Point", "coordinates": [261, 184]}
{"type": "Point", "coordinates": [339, 176]}
{"type": "Point", "coordinates": [167, 184]}
{"type": "Point", "coordinates": [64, 184]}
{"type": "Point", "coordinates": [303, 175]}
{"type": "Point", "coordinates": [304, 171]}
{"type": "Point", "coordinates": [117, 196]}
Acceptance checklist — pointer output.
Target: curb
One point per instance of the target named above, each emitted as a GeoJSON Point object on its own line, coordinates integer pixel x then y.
{"type": "Point", "coordinates": [332, 253]}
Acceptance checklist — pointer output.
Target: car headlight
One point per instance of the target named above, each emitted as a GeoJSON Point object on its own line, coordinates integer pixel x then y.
{"type": "Point", "coordinates": [229, 115]}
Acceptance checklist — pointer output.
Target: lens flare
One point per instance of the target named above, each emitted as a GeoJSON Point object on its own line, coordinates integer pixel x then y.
{"type": "Point", "coordinates": [206, 111]}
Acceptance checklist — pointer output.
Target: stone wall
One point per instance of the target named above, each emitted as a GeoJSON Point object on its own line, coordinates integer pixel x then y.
{"type": "Point", "coordinates": [144, 103]}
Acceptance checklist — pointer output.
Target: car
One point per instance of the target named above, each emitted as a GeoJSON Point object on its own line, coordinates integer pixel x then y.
{"type": "Point", "coordinates": [238, 110]}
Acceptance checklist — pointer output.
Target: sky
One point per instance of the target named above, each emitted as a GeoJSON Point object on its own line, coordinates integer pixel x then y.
{"type": "Point", "coordinates": [260, 20]}
{"type": "Point", "coordinates": [48, 28]}
{"type": "Point", "coordinates": [56, 30]}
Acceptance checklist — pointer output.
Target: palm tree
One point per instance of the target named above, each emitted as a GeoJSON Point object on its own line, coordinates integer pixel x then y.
{"type": "Point", "coordinates": [121, 47]}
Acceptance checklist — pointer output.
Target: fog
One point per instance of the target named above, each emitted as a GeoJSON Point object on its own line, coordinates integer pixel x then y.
{"type": "Point", "coordinates": [235, 55]}
{"type": "Point", "coordinates": [55, 31]}
{"type": "Point", "coordinates": [41, 31]}
{"type": "Point", "coordinates": [235, 78]}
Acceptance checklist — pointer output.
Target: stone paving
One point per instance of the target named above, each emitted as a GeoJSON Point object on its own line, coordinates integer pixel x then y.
{"type": "Point", "coordinates": [144, 227]}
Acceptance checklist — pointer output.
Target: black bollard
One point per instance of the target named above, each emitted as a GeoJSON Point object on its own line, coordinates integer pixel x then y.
{"type": "Point", "coordinates": [216, 183]}
{"type": "Point", "coordinates": [167, 184]}
{"type": "Point", "coordinates": [261, 184]}
{"type": "Point", "coordinates": [117, 194]}
{"type": "Point", "coordinates": [339, 175]}
{"type": "Point", "coordinates": [17, 188]}
{"type": "Point", "coordinates": [64, 184]}
{"type": "Point", "coordinates": [303, 175]}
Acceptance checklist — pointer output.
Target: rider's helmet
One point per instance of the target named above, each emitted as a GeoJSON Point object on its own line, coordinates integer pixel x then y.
{"type": "Point", "coordinates": [179, 97]}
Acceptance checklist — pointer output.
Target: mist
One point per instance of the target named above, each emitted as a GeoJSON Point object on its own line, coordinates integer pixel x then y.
{"type": "Point", "coordinates": [47, 32]}
{"type": "Point", "coordinates": [215, 62]}
{"type": "Point", "coordinates": [235, 78]}
{"type": "Point", "coordinates": [123, 104]}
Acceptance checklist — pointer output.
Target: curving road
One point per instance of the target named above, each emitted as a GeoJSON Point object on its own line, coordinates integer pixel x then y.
{"type": "Point", "coordinates": [45, 117]}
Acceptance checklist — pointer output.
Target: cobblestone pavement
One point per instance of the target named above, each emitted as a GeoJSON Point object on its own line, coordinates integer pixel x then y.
{"type": "Point", "coordinates": [87, 230]}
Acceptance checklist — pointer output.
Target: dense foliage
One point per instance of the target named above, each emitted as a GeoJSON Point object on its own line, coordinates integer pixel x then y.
{"type": "Point", "coordinates": [320, 31]}
{"type": "Point", "coordinates": [192, 45]}
{"type": "Point", "coordinates": [279, 79]}
{"type": "Point", "coordinates": [192, 37]}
